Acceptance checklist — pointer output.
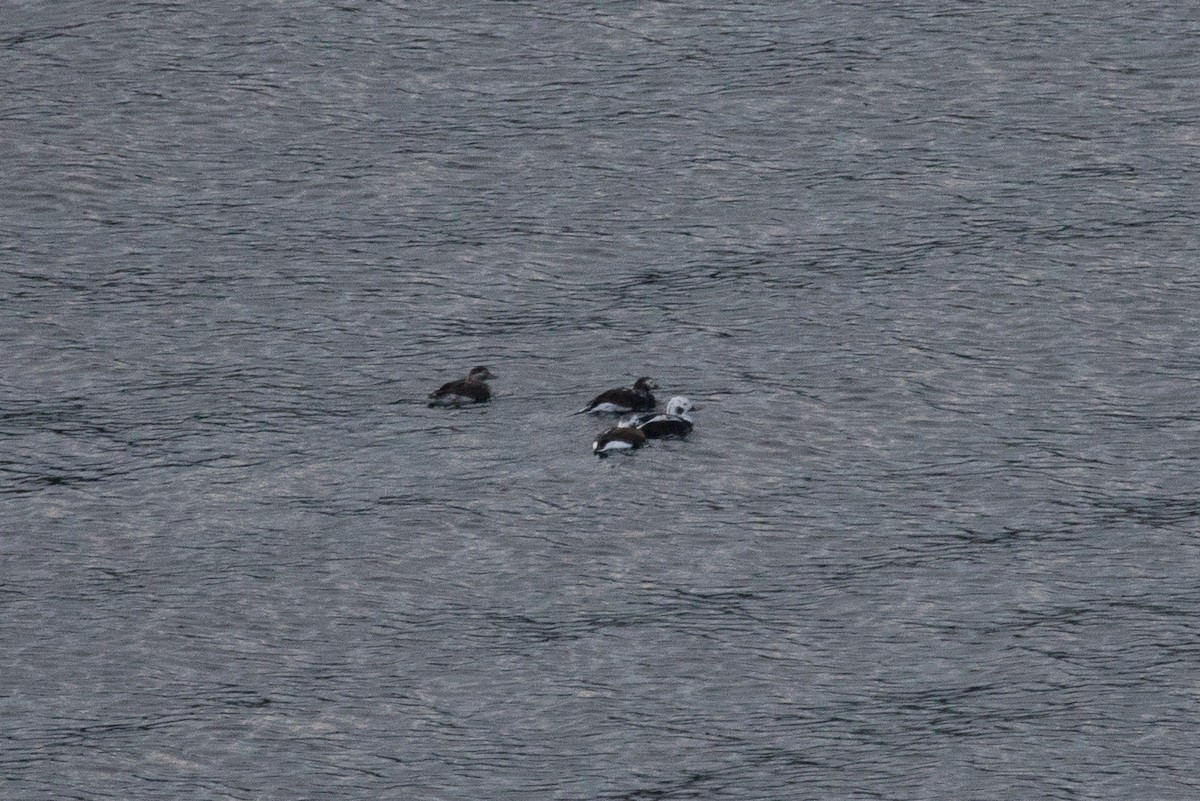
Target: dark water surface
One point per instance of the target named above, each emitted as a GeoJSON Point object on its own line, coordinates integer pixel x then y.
{"type": "Point", "coordinates": [931, 269]}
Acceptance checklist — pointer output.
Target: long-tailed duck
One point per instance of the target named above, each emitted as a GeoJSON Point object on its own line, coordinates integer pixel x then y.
{"type": "Point", "coordinates": [618, 438]}
{"type": "Point", "coordinates": [623, 399]}
{"type": "Point", "coordinates": [674, 422]}
{"type": "Point", "coordinates": [471, 389]}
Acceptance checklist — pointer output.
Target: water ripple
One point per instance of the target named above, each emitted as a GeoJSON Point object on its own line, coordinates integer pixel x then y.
{"type": "Point", "coordinates": [929, 272]}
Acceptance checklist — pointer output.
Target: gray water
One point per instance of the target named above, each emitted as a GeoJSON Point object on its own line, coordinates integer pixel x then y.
{"type": "Point", "coordinates": [931, 270]}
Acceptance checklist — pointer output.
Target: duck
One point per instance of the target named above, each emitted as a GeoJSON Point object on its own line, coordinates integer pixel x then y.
{"type": "Point", "coordinates": [618, 438]}
{"type": "Point", "coordinates": [623, 399]}
{"type": "Point", "coordinates": [674, 422]}
{"type": "Point", "coordinates": [471, 389]}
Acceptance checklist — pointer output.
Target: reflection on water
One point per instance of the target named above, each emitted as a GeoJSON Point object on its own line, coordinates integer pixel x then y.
{"type": "Point", "coordinates": [929, 274]}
